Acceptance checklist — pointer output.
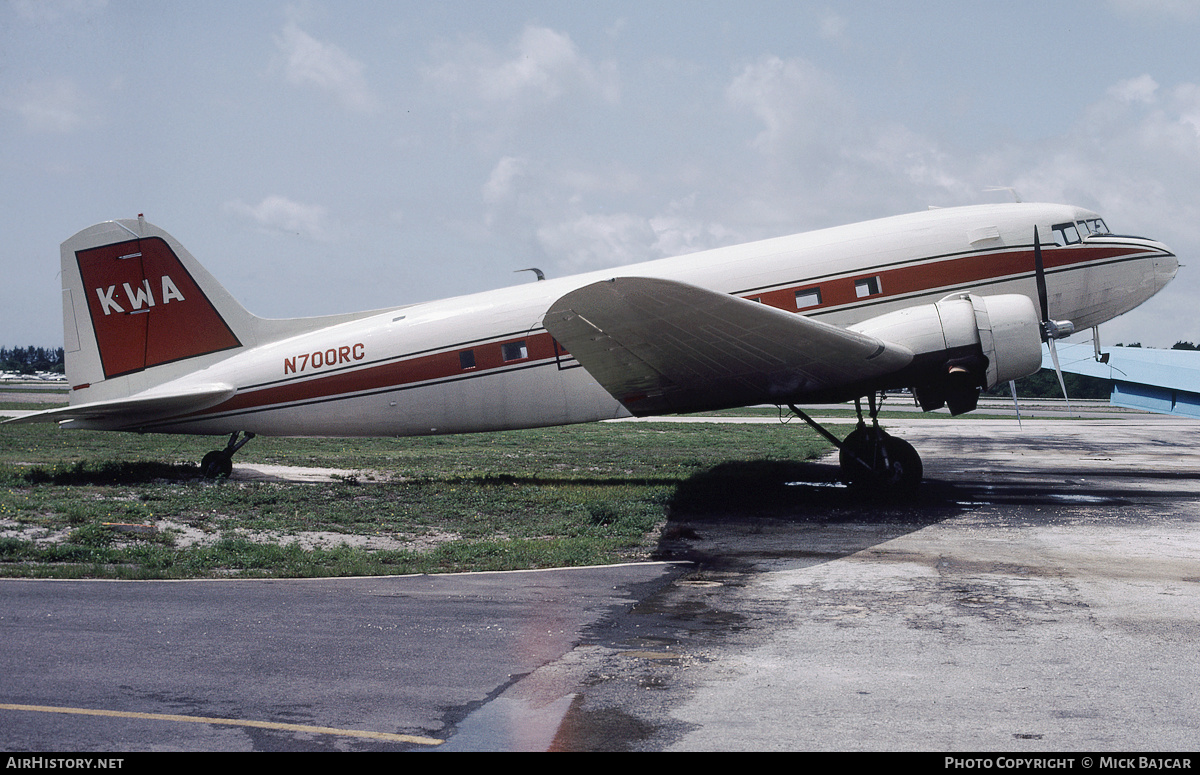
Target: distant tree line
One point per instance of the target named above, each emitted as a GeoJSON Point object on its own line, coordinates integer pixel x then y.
{"type": "Point", "coordinates": [1044, 384]}
{"type": "Point", "coordinates": [30, 360]}
{"type": "Point", "coordinates": [1176, 346]}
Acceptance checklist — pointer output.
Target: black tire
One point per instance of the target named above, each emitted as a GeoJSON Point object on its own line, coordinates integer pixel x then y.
{"type": "Point", "coordinates": [893, 465]}
{"type": "Point", "coordinates": [854, 446]}
{"type": "Point", "coordinates": [216, 464]}
{"type": "Point", "coordinates": [906, 470]}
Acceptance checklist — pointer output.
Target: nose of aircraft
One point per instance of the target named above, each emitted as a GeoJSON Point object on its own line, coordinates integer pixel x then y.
{"type": "Point", "coordinates": [1165, 267]}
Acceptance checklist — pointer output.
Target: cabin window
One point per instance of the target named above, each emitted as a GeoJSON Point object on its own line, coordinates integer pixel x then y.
{"type": "Point", "coordinates": [868, 286]}
{"type": "Point", "coordinates": [514, 351]}
{"type": "Point", "coordinates": [809, 297]}
{"type": "Point", "coordinates": [466, 359]}
{"type": "Point", "coordinates": [1065, 234]}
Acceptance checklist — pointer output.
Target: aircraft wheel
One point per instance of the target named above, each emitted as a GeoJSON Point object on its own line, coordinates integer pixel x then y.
{"type": "Point", "coordinates": [893, 465]}
{"type": "Point", "coordinates": [216, 463]}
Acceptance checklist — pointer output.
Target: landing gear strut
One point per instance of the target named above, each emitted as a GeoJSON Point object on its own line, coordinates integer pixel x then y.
{"type": "Point", "coordinates": [219, 462]}
{"type": "Point", "coordinates": [872, 458]}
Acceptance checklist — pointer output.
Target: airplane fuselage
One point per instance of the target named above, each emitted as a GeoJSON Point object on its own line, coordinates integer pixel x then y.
{"type": "Point", "coordinates": [485, 362]}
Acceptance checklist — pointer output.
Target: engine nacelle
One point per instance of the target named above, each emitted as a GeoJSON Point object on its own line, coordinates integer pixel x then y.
{"type": "Point", "coordinates": [964, 343]}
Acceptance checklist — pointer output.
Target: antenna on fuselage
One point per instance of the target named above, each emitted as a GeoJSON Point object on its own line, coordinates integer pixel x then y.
{"type": "Point", "coordinates": [540, 274]}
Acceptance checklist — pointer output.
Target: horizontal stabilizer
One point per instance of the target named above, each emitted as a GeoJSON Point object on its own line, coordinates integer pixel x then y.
{"type": "Point", "coordinates": [661, 346]}
{"type": "Point", "coordinates": [135, 410]}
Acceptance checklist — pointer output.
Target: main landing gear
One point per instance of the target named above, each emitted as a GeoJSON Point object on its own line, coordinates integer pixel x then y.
{"type": "Point", "coordinates": [219, 462]}
{"type": "Point", "coordinates": [871, 458]}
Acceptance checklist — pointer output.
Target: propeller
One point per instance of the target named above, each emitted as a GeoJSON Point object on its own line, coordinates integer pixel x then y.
{"type": "Point", "coordinates": [1051, 329]}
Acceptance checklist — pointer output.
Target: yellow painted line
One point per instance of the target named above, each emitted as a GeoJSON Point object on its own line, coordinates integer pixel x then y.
{"type": "Point", "coordinates": [416, 740]}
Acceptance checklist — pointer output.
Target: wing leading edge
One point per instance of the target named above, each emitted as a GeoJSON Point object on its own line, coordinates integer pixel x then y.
{"type": "Point", "coordinates": [660, 346]}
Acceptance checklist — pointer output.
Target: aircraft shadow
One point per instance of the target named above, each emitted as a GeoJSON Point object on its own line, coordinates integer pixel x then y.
{"type": "Point", "coordinates": [113, 472]}
{"type": "Point", "coordinates": [741, 513]}
{"type": "Point", "coordinates": [794, 491]}
{"type": "Point", "coordinates": [738, 514]}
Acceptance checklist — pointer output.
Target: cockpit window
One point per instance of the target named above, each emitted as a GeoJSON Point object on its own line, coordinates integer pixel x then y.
{"type": "Point", "coordinates": [1093, 226]}
{"type": "Point", "coordinates": [1073, 233]}
{"type": "Point", "coordinates": [1066, 234]}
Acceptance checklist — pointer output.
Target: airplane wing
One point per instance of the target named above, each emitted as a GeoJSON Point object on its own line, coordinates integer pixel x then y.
{"type": "Point", "coordinates": [662, 346]}
{"type": "Point", "coordinates": [136, 409]}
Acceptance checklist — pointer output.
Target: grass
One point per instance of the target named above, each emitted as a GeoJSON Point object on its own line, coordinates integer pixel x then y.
{"type": "Point", "coordinates": [577, 495]}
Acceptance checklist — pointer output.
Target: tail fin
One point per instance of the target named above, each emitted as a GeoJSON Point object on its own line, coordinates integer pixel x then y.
{"type": "Point", "coordinates": [136, 303]}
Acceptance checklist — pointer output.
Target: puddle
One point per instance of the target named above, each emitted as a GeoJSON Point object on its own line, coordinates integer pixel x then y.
{"type": "Point", "coordinates": [510, 725]}
{"type": "Point", "coordinates": [1079, 498]}
{"type": "Point", "coordinates": [834, 485]}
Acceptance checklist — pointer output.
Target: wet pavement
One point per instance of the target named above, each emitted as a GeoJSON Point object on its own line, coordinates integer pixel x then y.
{"type": "Point", "coordinates": [1041, 594]}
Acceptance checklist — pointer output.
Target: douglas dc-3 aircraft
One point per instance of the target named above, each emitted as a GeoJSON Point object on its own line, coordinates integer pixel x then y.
{"type": "Point", "coordinates": [945, 302]}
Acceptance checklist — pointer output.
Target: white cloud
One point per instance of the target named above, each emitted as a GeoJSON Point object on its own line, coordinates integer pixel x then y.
{"type": "Point", "coordinates": [503, 197]}
{"type": "Point", "coordinates": [796, 101]}
{"type": "Point", "coordinates": [680, 231]}
{"type": "Point", "coordinates": [561, 213]}
{"type": "Point", "coordinates": [279, 214]}
{"type": "Point", "coordinates": [325, 67]}
{"type": "Point", "coordinates": [905, 161]}
{"type": "Point", "coordinates": [595, 240]}
{"type": "Point", "coordinates": [578, 241]}
{"type": "Point", "coordinates": [833, 26]}
{"type": "Point", "coordinates": [541, 64]}
{"type": "Point", "coordinates": [52, 105]}
{"type": "Point", "coordinates": [820, 161]}
{"type": "Point", "coordinates": [1134, 156]}
{"type": "Point", "coordinates": [1140, 89]}
{"type": "Point", "coordinates": [500, 183]}
{"type": "Point", "coordinates": [1138, 145]}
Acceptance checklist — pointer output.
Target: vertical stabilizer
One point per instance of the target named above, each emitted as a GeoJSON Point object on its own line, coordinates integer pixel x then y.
{"type": "Point", "coordinates": [139, 310]}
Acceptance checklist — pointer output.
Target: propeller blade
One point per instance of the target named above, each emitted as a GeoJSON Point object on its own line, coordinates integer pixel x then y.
{"type": "Point", "coordinates": [1048, 326]}
{"type": "Point", "coordinates": [1012, 385]}
{"type": "Point", "coordinates": [1039, 273]}
{"type": "Point", "coordinates": [1058, 371]}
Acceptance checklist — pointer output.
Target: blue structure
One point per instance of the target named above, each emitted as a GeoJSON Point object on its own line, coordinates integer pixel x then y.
{"type": "Point", "coordinates": [1165, 381]}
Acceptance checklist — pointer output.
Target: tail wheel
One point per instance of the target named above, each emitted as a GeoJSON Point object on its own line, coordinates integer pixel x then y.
{"type": "Point", "coordinates": [219, 462]}
{"type": "Point", "coordinates": [216, 464]}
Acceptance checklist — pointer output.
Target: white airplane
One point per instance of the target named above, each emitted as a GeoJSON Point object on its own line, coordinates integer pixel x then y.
{"type": "Point", "coordinates": [946, 302]}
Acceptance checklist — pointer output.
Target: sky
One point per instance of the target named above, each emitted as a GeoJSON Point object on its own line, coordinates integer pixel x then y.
{"type": "Point", "coordinates": [322, 157]}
